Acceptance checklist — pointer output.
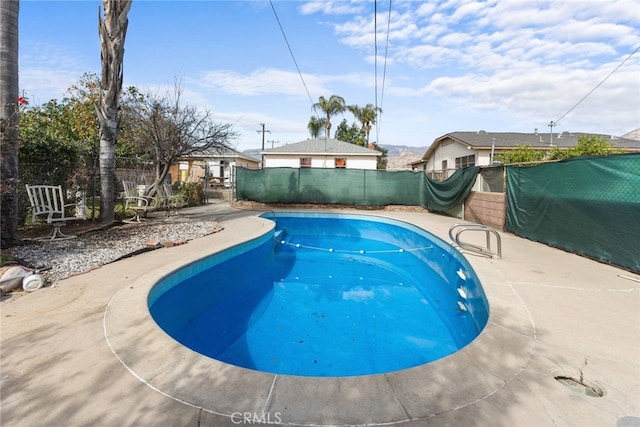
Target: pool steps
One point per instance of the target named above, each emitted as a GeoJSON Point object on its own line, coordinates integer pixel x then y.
{"type": "Point", "coordinates": [278, 235]}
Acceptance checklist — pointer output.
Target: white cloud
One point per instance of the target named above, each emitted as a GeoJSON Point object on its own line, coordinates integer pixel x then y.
{"type": "Point", "coordinates": [466, 9]}
{"type": "Point", "coordinates": [271, 81]}
{"type": "Point", "coordinates": [455, 39]}
{"type": "Point", "coordinates": [545, 30]}
{"type": "Point", "coordinates": [261, 82]}
{"type": "Point", "coordinates": [525, 59]}
{"type": "Point", "coordinates": [546, 94]}
{"type": "Point", "coordinates": [46, 83]}
{"type": "Point", "coordinates": [340, 7]}
{"type": "Point", "coordinates": [425, 9]}
{"type": "Point", "coordinates": [48, 71]}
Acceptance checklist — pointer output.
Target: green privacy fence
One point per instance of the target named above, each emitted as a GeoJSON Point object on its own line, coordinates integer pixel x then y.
{"type": "Point", "coordinates": [358, 187]}
{"type": "Point", "coordinates": [586, 205]}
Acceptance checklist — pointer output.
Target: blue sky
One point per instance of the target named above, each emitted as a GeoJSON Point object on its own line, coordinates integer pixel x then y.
{"type": "Point", "coordinates": [453, 65]}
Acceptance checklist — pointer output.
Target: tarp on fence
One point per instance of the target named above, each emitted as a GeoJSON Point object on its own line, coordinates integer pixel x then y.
{"type": "Point", "coordinates": [586, 205]}
{"type": "Point", "coordinates": [359, 187]}
{"type": "Point", "coordinates": [445, 195]}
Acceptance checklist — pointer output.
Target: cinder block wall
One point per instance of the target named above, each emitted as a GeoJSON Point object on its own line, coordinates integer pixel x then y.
{"type": "Point", "coordinates": [486, 208]}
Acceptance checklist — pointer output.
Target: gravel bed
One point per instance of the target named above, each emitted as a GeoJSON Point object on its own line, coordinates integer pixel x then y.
{"type": "Point", "coordinates": [100, 247]}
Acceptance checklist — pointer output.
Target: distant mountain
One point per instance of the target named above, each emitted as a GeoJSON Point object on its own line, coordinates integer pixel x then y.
{"type": "Point", "coordinates": [399, 156]}
{"type": "Point", "coordinates": [404, 150]}
{"type": "Point", "coordinates": [634, 134]}
{"type": "Point", "coordinates": [255, 153]}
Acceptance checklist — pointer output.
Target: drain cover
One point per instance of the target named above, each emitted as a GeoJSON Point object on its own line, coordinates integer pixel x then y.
{"type": "Point", "coordinates": [582, 386]}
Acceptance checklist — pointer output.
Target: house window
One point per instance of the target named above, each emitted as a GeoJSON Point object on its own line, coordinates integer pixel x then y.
{"type": "Point", "coordinates": [305, 162]}
{"type": "Point", "coordinates": [464, 161]}
{"type": "Point", "coordinates": [341, 163]}
{"type": "Point", "coordinates": [444, 165]}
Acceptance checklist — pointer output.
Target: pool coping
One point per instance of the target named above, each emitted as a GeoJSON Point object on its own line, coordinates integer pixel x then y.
{"type": "Point", "coordinates": [490, 362]}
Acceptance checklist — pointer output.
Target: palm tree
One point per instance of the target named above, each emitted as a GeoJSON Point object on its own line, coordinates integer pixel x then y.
{"type": "Point", "coordinates": [9, 121]}
{"type": "Point", "coordinates": [315, 125]}
{"type": "Point", "coordinates": [367, 116]}
{"type": "Point", "coordinates": [113, 30]}
{"type": "Point", "coordinates": [332, 106]}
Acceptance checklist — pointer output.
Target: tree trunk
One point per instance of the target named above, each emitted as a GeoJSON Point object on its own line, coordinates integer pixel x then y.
{"type": "Point", "coordinates": [112, 35]}
{"type": "Point", "coordinates": [161, 174]}
{"type": "Point", "coordinates": [9, 121]}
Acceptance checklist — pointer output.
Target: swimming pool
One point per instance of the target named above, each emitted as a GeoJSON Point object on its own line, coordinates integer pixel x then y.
{"type": "Point", "coordinates": [326, 295]}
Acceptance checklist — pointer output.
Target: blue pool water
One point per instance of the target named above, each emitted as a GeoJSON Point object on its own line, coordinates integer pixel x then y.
{"type": "Point", "coordinates": [326, 295]}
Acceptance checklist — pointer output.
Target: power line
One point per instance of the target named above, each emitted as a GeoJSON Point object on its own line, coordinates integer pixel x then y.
{"type": "Point", "coordinates": [384, 73]}
{"type": "Point", "coordinates": [553, 123]}
{"type": "Point", "coordinates": [386, 54]}
{"type": "Point", "coordinates": [292, 56]}
{"type": "Point", "coordinates": [375, 51]}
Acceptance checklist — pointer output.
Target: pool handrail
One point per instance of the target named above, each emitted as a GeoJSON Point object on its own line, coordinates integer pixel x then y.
{"type": "Point", "coordinates": [484, 250]}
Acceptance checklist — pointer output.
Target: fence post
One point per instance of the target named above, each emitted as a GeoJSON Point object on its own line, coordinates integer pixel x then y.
{"type": "Point", "coordinates": [364, 184]}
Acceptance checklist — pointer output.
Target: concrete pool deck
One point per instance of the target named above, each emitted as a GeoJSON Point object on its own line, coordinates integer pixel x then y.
{"type": "Point", "coordinates": [86, 352]}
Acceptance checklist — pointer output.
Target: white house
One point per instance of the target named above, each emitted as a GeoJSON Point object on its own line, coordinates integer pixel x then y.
{"type": "Point", "coordinates": [321, 153]}
{"type": "Point", "coordinates": [214, 165]}
{"type": "Point", "coordinates": [458, 149]}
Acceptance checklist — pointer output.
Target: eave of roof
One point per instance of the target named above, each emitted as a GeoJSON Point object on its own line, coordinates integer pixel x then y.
{"type": "Point", "coordinates": [216, 154]}
{"type": "Point", "coordinates": [482, 140]}
{"type": "Point", "coordinates": [322, 146]}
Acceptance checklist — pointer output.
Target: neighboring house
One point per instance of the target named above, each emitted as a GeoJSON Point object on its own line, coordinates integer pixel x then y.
{"type": "Point", "coordinates": [458, 149]}
{"type": "Point", "coordinates": [213, 165]}
{"type": "Point", "coordinates": [321, 153]}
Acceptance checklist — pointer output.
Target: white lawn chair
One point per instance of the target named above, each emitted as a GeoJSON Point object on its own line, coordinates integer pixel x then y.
{"type": "Point", "coordinates": [136, 201]}
{"type": "Point", "coordinates": [176, 201]}
{"type": "Point", "coordinates": [48, 204]}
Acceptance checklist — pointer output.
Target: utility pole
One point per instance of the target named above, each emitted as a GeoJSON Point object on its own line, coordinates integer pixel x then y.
{"type": "Point", "coordinates": [551, 125]}
{"type": "Point", "coordinates": [263, 131]}
{"type": "Point", "coordinates": [273, 142]}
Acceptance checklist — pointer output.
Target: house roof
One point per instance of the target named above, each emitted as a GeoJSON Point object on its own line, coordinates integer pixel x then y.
{"type": "Point", "coordinates": [322, 146]}
{"type": "Point", "coordinates": [483, 140]}
{"type": "Point", "coordinates": [222, 153]}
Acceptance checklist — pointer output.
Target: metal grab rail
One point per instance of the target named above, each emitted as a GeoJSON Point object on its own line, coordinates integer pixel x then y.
{"type": "Point", "coordinates": [485, 250]}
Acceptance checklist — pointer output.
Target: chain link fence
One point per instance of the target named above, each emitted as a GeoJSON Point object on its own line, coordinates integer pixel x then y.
{"type": "Point", "coordinates": [80, 178]}
{"type": "Point", "coordinates": [585, 205]}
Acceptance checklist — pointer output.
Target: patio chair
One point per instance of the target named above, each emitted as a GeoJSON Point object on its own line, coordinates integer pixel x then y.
{"type": "Point", "coordinates": [48, 204]}
{"type": "Point", "coordinates": [176, 201]}
{"type": "Point", "coordinates": [165, 201]}
{"type": "Point", "coordinates": [136, 201]}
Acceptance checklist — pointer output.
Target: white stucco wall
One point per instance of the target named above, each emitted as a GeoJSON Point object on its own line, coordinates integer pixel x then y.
{"type": "Point", "coordinates": [232, 162]}
{"type": "Point", "coordinates": [452, 151]}
{"type": "Point", "coordinates": [281, 162]}
{"type": "Point", "coordinates": [293, 161]}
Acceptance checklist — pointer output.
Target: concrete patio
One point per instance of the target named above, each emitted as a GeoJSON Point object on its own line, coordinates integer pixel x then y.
{"type": "Point", "coordinates": [85, 352]}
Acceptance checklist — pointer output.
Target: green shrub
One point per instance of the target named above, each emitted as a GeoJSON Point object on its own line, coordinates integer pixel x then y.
{"type": "Point", "coordinates": [193, 190]}
{"type": "Point", "coordinates": [520, 154]}
{"type": "Point", "coordinates": [588, 145]}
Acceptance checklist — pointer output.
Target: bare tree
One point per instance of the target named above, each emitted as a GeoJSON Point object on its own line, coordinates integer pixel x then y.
{"type": "Point", "coordinates": [9, 121]}
{"type": "Point", "coordinates": [168, 130]}
{"type": "Point", "coordinates": [113, 30]}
